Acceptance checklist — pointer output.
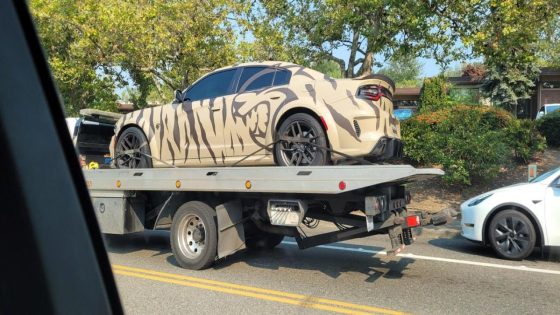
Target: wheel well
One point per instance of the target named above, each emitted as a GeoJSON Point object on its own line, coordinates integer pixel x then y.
{"type": "Point", "coordinates": [298, 110]}
{"type": "Point", "coordinates": [125, 127]}
{"type": "Point", "coordinates": [538, 229]}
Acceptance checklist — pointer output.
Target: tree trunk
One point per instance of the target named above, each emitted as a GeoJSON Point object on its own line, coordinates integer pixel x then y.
{"type": "Point", "coordinates": [352, 59]}
{"type": "Point", "coordinates": [367, 65]}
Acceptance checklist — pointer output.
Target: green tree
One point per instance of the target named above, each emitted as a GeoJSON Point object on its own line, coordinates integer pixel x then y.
{"type": "Point", "coordinates": [405, 71]}
{"type": "Point", "coordinates": [434, 94]}
{"type": "Point", "coordinates": [549, 45]}
{"type": "Point", "coordinates": [370, 30]}
{"type": "Point", "coordinates": [508, 34]}
{"type": "Point", "coordinates": [327, 67]}
{"type": "Point", "coordinates": [157, 46]}
{"type": "Point", "coordinates": [509, 41]}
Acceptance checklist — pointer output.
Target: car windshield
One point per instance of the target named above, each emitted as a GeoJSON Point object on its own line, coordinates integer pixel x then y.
{"type": "Point", "coordinates": [545, 175]}
{"type": "Point", "coordinates": [552, 108]}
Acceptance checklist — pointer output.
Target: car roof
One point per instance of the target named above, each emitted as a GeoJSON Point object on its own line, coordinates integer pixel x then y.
{"type": "Point", "coordinates": [281, 64]}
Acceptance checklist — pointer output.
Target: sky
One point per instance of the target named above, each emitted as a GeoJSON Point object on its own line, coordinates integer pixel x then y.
{"type": "Point", "coordinates": [429, 66]}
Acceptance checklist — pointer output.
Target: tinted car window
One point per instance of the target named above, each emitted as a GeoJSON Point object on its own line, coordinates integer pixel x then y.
{"type": "Point", "coordinates": [282, 77]}
{"type": "Point", "coordinates": [255, 78]}
{"type": "Point", "coordinates": [212, 86]}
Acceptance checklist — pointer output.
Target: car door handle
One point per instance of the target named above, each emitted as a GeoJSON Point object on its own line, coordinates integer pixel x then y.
{"type": "Point", "coordinates": [275, 97]}
{"type": "Point", "coordinates": [215, 109]}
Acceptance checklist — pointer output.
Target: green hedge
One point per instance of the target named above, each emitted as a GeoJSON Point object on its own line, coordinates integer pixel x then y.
{"type": "Point", "coordinates": [549, 126]}
{"type": "Point", "coordinates": [524, 139]}
{"type": "Point", "coordinates": [469, 142]}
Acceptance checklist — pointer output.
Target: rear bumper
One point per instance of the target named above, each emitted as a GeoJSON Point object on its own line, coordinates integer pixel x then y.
{"type": "Point", "coordinates": [386, 149]}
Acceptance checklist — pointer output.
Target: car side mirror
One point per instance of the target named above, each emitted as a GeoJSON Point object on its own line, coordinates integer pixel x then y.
{"type": "Point", "coordinates": [178, 96]}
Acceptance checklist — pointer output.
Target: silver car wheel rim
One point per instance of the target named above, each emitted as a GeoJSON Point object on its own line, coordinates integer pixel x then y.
{"type": "Point", "coordinates": [192, 236]}
{"type": "Point", "coordinates": [300, 153]}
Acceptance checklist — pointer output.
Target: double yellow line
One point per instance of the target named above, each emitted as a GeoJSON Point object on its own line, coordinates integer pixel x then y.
{"type": "Point", "coordinates": [254, 292]}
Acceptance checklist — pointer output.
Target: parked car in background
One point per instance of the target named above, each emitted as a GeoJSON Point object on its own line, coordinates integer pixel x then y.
{"type": "Point", "coordinates": [515, 219]}
{"type": "Point", "coordinates": [265, 113]}
{"type": "Point", "coordinates": [547, 109]}
{"type": "Point", "coordinates": [403, 113]}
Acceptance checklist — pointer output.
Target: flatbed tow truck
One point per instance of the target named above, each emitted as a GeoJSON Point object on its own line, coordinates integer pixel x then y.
{"type": "Point", "coordinates": [217, 211]}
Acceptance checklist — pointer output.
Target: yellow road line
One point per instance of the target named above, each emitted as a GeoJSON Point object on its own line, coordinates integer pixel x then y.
{"type": "Point", "coordinates": [255, 292]}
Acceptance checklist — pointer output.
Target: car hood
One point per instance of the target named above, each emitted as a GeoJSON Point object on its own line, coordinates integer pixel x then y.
{"type": "Point", "coordinates": [520, 189]}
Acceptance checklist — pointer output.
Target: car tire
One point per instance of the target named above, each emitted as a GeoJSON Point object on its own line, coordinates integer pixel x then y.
{"type": "Point", "coordinates": [263, 241]}
{"type": "Point", "coordinates": [194, 236]}
{"type": "Point", "coordinates": [290, 153]}
{"type": "Point", "coordinates": [512, 235]}
{"type": "Point", "coordinates": [132, 139]}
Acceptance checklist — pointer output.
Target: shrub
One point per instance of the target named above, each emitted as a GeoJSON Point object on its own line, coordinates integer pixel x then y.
{"type": "Point", "coordinates": [469, 142]}
{"type": "Point", "coordinates": [434, 94]}
{"type": "Point", "coordinates": [524, 139]}
{"type": "Point", "coordinates": [549, 126]}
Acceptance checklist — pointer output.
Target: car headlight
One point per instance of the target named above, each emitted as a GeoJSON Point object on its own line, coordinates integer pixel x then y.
{"type": "Point", "coordinates": [479, 200]}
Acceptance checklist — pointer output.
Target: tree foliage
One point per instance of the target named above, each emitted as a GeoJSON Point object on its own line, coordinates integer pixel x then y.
{"type": "Point", "coordinates": [369, 30]}
{"type": "Point", "coordinates": [508, 34]}
{"type": "Point", "coordinates": [404, 70]}
{"type": "Point", "coordinates": [156, 45]}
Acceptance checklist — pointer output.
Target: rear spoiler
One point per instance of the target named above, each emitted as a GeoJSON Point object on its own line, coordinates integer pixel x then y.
{"type": "Point", "coordinates": [378, 77]}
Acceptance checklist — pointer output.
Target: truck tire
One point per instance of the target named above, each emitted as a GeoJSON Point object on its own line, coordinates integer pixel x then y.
{"type": "Point", "coordinates": [194, 236]}
{"type": "Point", "coordinates": [512, 235]}
{"type": "Point", "coordinates": [263, 241]}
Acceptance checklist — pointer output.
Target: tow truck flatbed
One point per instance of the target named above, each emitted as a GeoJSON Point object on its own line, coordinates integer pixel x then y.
{"type": "Point", "coordinates": [263, 179]}
{"type": "Point", "coordinates": [213, 212]}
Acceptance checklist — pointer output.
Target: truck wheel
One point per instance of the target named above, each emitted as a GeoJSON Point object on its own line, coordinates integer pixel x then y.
{"type": "Point", "coordinates": [512, 235]}
{"type": "Point", "coordinates": [263, 241]}
{"type": "Point", "coordinates": [293, 153]}
{"type": "Point", "coordinates": [194, 236]}
{"type": "Point", "coordinates": [131, 149]}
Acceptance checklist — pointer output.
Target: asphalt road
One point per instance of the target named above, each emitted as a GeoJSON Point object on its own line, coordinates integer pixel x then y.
{"type": "Point", "coordinates": [433, 276]}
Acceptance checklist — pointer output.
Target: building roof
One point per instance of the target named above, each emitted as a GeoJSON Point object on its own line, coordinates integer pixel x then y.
{"type": "Point", "coordinates": [464, 80]}
{"type": "Point", "coordinates": [407, 94]}
{"type": "Point", "coordinates": [407, 91]}
{"type": "Point", "coordinates": [550, 71]}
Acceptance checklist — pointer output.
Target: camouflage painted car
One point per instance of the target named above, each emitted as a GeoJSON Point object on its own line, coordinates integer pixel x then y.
{"type": "Point", "coordinates": [265, 113]}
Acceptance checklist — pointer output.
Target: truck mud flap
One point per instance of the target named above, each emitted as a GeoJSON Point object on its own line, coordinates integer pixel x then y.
{"type": "Point", "coordinates": [231, 235]}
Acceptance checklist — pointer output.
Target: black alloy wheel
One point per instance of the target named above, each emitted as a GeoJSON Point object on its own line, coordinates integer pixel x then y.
{"type": "Point", "coordinates": [132, 150]}
{"type": "Point", "coordinates": [300, 134]}
{"type": "Point", "coordinates": [512, 235]}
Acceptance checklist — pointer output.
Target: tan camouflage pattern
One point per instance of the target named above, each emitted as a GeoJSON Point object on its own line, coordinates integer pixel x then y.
{"type": "Point", "coordinates": [223, 130]}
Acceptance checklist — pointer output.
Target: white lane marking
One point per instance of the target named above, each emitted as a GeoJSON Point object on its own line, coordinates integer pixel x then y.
{"type": "Point", "coordinates": [449, 260]}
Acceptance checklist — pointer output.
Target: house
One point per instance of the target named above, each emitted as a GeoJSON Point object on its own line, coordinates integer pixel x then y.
{"type": "Point", "coordinates": [468, 89]}
{"type": "Point", "coordinates": [406, 98]}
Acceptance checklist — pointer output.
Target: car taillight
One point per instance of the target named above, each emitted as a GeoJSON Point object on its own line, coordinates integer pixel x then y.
{"type": "Point", "coordinates": [371, 92]}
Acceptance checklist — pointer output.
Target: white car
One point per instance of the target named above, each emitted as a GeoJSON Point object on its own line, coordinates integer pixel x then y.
{"type": "Point", "coordinates": [547, 109]}
{"type": "Point", "coordinates": [515, 219]}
